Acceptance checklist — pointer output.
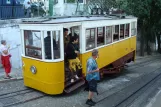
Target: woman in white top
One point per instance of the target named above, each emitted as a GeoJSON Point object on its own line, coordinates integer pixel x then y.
{"type": "Point", "coordinates": [5, 57]}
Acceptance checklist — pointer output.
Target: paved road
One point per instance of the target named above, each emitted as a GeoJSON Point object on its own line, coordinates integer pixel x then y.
{"type": "Point", "coordinates": [108, 86]}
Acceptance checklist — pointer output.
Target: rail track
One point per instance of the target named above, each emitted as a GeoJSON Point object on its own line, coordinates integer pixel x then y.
{"type": "Point", "coordinates": [27, 95]}
{"type": "Point", "coordinates": [125, 96]}
{"type": "Point", "coordinates": [20, 97]}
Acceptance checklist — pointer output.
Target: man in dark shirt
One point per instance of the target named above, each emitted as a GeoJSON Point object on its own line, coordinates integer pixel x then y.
{"type": "Point", "coordinates": [66, 38]}
{"type": "Point", "coordinates": [72, 53]}
{"type": "Point", "coordinates": [47, 43]}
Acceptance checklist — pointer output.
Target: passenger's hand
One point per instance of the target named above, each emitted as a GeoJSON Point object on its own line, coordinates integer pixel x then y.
{"type": "Point", "coordinates": [76, 52]}
{"type": "Point", "coordinates": [97, 70]}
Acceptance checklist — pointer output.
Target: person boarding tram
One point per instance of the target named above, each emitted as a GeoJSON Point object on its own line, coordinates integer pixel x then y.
{"type": "Point", "coordinates": [72, 54]}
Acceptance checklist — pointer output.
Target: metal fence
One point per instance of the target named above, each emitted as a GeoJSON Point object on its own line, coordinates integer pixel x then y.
{"type": "Point", "coordinates": [11, 12]}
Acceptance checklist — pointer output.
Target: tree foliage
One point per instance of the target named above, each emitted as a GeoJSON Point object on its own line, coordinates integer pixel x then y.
{"type": "Point", "coordinates": [148, 13]}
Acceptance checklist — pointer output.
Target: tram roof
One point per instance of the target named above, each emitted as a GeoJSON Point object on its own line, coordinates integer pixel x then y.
{"type": "Point", "coordinates": [70, 19]}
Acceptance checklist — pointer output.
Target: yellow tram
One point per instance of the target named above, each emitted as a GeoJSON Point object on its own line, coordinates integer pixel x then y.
{"type": "Point", "coordinates": [114, 37]}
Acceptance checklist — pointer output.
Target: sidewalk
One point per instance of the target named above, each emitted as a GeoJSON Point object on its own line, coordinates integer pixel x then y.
{"type": "Point", "coordinates": [15, 73]}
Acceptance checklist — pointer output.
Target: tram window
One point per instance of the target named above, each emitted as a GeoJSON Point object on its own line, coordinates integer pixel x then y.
{"type": "Point", "coordinates": [122, 31]}
{"type": "Point", "coordinates": [100, 36]}
{"type": "Point", "coordinates": [108, 34]}
{"type": "Point", "coordinates": [116, 33]}
{"type": "Point", "coordinates": [74, 30]}
{"type": "Point", "coordinates": [56, 44]}
{"type": "Point", "coordinates": [127, 26]}
{"type": "Point", "coordinates": [33, 44]}
{"type": "Point", "coordinates": [48, 42]}
{"type": "Point", "coordinates": [90, 39]}
{"type": "Point", "coordinates": [133, 28]}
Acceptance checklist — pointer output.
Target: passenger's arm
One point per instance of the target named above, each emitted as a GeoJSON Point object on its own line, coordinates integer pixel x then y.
{"type": "Point", "coordinates": [6, 51]}
{"type": "Point", "coordinates": [89, 68]}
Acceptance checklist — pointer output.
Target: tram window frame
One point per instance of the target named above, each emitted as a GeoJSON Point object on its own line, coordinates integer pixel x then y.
{"type": "Point", "coordinates": [92, 40]}
{"type": "Point", "coordinates": [127, 30]}
{"type": "Point", "coordinates": [55, 47]}
{"type": "Point", "coordinates": [116, 37]}
{"type": "Point", "coordinates": [133, 28]}
{"type": "Point", "coordinates": [100, 37]}
{"type": "Point", "coordinates": [122, 28]}
{"type": "Point", "coordinates": [110, 34]}
{"type": "Point", "coordinates": [37, 51]}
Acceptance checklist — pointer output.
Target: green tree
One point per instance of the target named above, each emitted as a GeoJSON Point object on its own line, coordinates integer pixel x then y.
{"type": "Point", "coordinates": [148, 13]}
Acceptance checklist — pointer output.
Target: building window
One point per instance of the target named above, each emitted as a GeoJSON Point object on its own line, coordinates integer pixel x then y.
{"type": "Point", "coordinates": [122, 31]}
{"type": "Point", "coordinates": [33, 44]}
{"type": "Point", "coordinates": [90, 38]}
{"type": "Point", "coordinates": [133, 28]}
{"type": "Point", "coordinates": [127, 27]}
{"type": "Point", "coordinates": [52, 46]}
{"type": "Point", "coordinates": [100, 36]}
{"type": "Point", "coordinates": [108, 34]}
{"type": "Point", "coordinates": [73, 1]}
{"type": "Point", "coordinates": [116, 33]}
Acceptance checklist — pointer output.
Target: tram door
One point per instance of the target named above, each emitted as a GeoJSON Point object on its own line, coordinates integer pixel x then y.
{"type": "Point", "coordinates": [72, 31]}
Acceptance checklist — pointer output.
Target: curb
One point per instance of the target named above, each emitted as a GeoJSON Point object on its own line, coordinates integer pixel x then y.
{"type": "Point", "coordinates": [12, 79]}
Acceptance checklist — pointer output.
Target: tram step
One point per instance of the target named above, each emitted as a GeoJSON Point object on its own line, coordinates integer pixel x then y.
{"type": "Point", "coordinates": [73, 86]}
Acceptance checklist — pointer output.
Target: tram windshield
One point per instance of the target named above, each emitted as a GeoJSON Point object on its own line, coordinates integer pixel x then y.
{"type": "Point", "coordinates": [35, 42]}
{"type": "Point", "coordinates": [32, 40]}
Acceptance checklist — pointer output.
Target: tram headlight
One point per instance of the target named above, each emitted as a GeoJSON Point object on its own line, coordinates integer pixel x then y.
{"type": "Point", "coordinates": [33, 69]}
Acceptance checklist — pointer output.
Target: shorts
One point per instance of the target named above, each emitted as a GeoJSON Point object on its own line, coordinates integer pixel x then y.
{"type": "Point", "coordinates": [91, 86]}
{"type": "Point", "coordinates": [74, 63]}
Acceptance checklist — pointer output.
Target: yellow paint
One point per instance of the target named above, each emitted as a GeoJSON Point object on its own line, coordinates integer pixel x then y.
{"type": "Point", "coordinates": [49, 77]}
{"type": "Point", "coordinates": [111, 53]}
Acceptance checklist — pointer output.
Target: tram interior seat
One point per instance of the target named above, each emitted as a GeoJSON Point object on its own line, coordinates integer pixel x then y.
{"type": "Point", "coordinates": [116, 36]}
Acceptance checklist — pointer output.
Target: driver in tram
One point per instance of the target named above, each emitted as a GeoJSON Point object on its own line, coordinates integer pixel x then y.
{"type": "Point", "coordinates": [47, 43]}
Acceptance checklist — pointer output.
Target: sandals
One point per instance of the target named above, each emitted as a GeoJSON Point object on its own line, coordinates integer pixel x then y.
{"type": "Point", "coordinates": [8, 77]}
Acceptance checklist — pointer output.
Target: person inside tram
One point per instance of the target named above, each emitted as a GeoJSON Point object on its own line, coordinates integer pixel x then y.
{"type": "Point", "coordinates": [72, 56]}
{"type": "Point", "coordinates": [66, 37]}
{"type": "Point", "coordinates": [47, 43]}
{"type": "Point", "coordinates": [74, 34]}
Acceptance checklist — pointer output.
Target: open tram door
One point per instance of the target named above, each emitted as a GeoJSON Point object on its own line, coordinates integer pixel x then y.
{"type": "Point", "coordinates": [43, 58]}
{"type": "Point", "coordinates": [74, 29]}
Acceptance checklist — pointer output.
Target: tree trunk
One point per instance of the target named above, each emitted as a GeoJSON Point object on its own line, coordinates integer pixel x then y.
{"type": "Point", "coordinates": [148, 47]}
{"type": "Point", "coordinates": [142, 41]}
{"type": "Point", "coordinates": [158, 40]}
{"type": "Point", "coordinates": [141, 44]}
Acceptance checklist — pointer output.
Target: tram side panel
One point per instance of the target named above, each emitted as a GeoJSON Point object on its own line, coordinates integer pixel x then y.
{"type": "Point", "coordinates": [133, 45]}
{"type": "Point", "coordinates": [111, 53]}
{"type": "Point", "coordinates": [49, 77]}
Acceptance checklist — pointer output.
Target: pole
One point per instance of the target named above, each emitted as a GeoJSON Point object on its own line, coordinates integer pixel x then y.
{"type": "Point", "coordinates": [51, 4]}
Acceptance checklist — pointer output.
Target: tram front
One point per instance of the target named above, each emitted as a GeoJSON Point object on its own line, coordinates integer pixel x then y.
{"type": "Point", "coordinates": [43, 58]}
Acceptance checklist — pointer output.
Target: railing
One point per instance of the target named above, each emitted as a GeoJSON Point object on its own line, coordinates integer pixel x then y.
{"type": "Point", "coordinates": [12, 12]}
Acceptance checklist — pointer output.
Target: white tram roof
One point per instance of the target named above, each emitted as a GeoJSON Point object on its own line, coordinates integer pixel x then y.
{"type": "Point", "coordinates": [71, 19]}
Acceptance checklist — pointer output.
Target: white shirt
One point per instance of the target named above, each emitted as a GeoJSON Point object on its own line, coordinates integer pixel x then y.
{"type": "Point", "coordinates": [26, 4]}
{"type": "Point", "coordinates": [3, 48]}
